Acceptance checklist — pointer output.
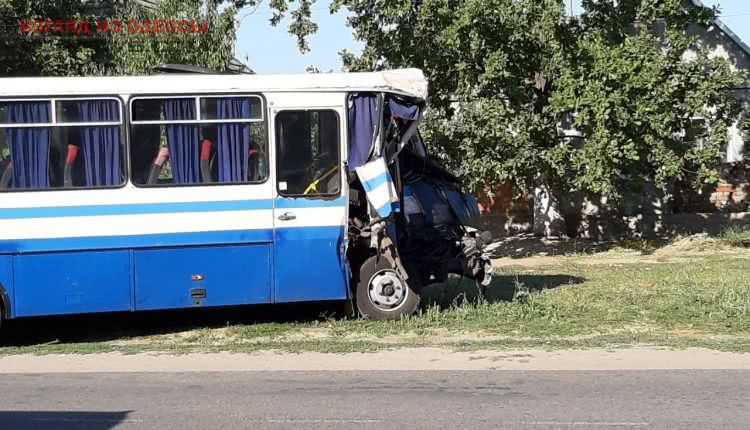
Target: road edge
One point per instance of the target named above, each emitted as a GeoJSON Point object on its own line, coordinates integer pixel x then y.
{"type": "Point", "coordinates": [641, 358]}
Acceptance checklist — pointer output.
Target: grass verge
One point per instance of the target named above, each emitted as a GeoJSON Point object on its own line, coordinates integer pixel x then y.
{"type": "Point", "coordinates": [736, 236]}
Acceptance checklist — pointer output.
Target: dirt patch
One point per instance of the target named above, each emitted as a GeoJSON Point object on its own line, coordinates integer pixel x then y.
{"type": "Point", "coordinates": [525, 262]}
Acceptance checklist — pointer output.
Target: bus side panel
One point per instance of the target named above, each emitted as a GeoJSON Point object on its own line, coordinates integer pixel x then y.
{"type": "Point", "coordinates": [202, 276]}
{"type": "Point", "coordinates": [6, 282]}
{"type": "Point", "coordinates": [72, 282]}
{"type": "Point", "coordinates": [308, 263]}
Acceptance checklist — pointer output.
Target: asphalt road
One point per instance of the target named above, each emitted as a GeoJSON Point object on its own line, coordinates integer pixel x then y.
{"type": "Point", "coordinates": [431, 399]}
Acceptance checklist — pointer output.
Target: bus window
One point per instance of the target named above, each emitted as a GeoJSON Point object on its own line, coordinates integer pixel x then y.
{"type": "Point", "coordinates": [309, 152]}
{"type": "Point", "coordinates": [65, 143]}
{"type": "Point", "coordinates": [198, 140]}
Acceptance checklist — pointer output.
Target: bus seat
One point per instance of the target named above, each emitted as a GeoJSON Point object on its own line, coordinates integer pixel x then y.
{"type": "Point", "coordinates": [206, 161]}
{"type": "Point", "coordinates": [70, 159]}
{"type": "Point", "coordinates": [157, 165]}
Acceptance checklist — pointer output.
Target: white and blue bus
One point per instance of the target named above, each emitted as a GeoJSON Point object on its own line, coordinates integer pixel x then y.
{"type": "Point", "coordinates": [181, 191]}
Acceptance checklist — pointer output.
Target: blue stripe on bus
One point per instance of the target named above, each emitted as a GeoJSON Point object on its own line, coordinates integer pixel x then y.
{"type": "Point", "coordinates": [136, 241]}
{"type": "Point", "coordinates": [134, 209]}
{"type": "Point", "coordinates": [161, 208]}
{"type": "Point", "coordinates": [226, 237]}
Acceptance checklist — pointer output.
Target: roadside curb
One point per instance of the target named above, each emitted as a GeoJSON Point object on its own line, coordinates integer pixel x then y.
{"type": "Point", "coordinates": [399, 359]}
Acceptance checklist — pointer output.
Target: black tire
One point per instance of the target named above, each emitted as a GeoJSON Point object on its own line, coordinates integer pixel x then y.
{"type": "Point", "coordinates": [368, 309]}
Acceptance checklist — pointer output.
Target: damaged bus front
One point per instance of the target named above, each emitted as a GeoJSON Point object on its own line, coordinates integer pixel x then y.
{"type": "Point", "coordinates": [410, 223]}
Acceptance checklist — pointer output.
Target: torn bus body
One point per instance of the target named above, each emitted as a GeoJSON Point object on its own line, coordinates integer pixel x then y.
{"type": "Point", "coordinates": [410, 223]}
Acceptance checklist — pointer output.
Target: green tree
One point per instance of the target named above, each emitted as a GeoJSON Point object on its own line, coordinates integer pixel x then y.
{"type": "Point", "coordinates": [43, 54]}
{"type": "Point", "coordinates": [649, 102]}
{"type": "Point", "coordinates": [138, 53]}
{"type": "Point", "coordinates": [492, 65]}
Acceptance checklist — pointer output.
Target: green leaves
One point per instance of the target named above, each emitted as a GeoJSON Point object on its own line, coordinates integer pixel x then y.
{"type": "Point", "coordinates": [116, 52]}
{"type": "Point", "coordinates": [651, 107]}
{"type": "Point", "coordinates": [40, 53]}
{"type": "Point", "coordinates": [301, 25]}
{"type": "Point", "coordinates": [138, 53]}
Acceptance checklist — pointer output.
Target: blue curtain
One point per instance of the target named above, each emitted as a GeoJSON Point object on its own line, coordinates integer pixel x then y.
{"type": "Point", "coordinates": [182, 139]}
{"type": "Point", "coordinates": [101, 144]}
{"type": "Point", "coordinates": [363, 118]}
{"type": "Point", "coordinates": [29, 147]}
{"type": "Point", "coordinates": [233, 139]}
{"type": "Point", "coordinates": [401, 109]}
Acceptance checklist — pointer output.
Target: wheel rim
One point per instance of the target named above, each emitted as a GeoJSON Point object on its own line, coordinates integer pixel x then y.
{"type": "Point", "coordinates": [386, 290]}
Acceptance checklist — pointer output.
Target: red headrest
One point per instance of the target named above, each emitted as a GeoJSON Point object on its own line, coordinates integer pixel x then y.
{"type": "Point", "coordinates": [72, 154]}
{"type": "Point", "coordinates": [206, 149]}
{"type": "Point", "coordinates": [162, 157]}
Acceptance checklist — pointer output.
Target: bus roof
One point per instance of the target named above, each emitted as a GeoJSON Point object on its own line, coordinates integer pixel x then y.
{"type": "Point", "coordinates": [406, 82]}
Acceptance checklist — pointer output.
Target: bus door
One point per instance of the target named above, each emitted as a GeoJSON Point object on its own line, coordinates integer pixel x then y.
{"type": "Point", "coordinates": [310, 208]}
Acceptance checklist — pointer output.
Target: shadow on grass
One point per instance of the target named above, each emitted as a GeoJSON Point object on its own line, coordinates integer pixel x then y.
{"type": "Point", "coordinates": [61, 420]}
{"type": "Point", "coordinates": [114, 326]}
{"type": "Point", "coordinates": [502, 289]}
{"type": "Point", "coordinates": [524, 246]}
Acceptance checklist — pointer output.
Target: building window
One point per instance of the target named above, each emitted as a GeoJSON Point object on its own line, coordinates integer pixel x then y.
{"type": "Point", "coordinates": [61, 143]}
{"type": "Point", "coordinates": [308, 148]}
{"type": "Point", "coordinates": [193, 140]}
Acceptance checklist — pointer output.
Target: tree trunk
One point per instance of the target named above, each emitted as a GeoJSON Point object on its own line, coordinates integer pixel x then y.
{"type": "Point", "coordinates": [548, 216]}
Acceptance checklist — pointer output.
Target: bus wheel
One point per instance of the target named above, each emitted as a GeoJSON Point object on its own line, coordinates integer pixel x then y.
{"type": "Point", "coordinates": [384, 295]}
